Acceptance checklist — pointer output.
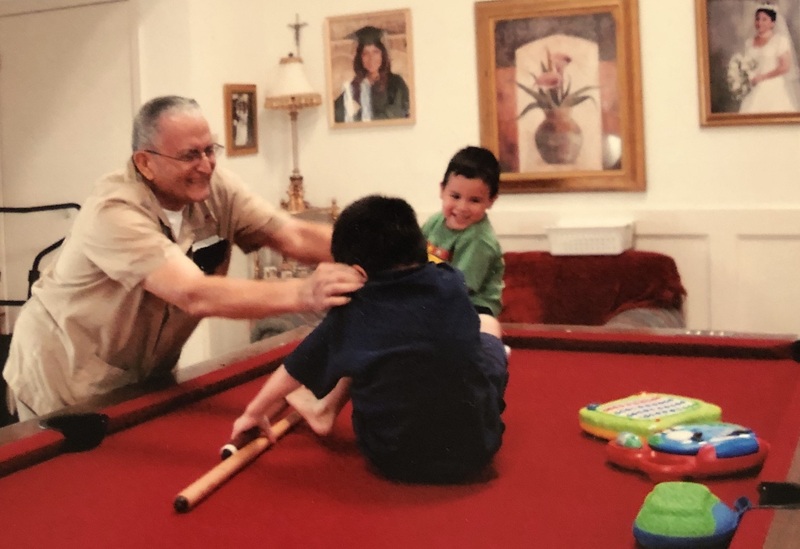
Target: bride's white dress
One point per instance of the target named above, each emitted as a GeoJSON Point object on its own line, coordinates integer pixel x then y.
{"type": "Point", "coordinates": [773, 94]}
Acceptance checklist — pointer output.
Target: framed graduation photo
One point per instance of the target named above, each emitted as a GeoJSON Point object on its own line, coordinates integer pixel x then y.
{"type": "Point", "coordinates": [559, 84]}
{"type": "Point", "coordinates": [241, 120]}
{"type": "Point", "coordinates": [370, 66]}
{"type": "Point", "coordinates": [747, 54]}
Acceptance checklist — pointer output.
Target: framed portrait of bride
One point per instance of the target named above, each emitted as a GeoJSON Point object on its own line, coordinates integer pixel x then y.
{"type": "Point", "coordinates": [748, 61]}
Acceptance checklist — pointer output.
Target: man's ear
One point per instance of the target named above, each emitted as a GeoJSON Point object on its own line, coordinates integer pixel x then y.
{"type": "Point", "coordinates": [142, 161]}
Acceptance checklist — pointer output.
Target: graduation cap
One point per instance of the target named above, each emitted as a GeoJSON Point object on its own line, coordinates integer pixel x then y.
{"type": "Point", "coordinates": [368, 35]}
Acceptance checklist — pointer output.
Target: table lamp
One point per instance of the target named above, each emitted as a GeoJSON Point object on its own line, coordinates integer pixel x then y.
{"type": "Point", "coordinates": [291, 92]}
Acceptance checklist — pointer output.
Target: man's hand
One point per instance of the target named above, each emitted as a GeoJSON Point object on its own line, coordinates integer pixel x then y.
{"type": "Point", "coordinates": [329, 286]}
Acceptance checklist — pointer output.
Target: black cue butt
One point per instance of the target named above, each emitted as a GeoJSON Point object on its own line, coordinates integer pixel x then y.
{"type": "Point", "coordinates": [181, 504]}
{"type": "Point", "coordinates": [227, 451]}
{"type": "Point", "coordinates": [796, 350]}
{"type": "Point", "coordinates": [239, 442]}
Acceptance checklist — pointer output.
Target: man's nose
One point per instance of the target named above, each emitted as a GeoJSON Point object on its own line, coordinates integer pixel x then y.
{"type": "Point", "coordinates": [206, 164]}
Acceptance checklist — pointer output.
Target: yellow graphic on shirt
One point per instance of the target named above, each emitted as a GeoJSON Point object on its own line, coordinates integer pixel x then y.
{"type": "Point", "coordinates": [437, 255]}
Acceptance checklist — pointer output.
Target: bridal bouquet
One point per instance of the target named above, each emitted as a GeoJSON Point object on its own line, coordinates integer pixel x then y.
{"type": "Point", "coordinates": [740, 71]}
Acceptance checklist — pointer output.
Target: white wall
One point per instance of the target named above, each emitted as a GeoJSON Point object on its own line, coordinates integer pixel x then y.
{"type": "Point", "coordinates": [739, 266]}
{"type": "Point", "coordinates": [703, 184]}
{"type": "Point", "coordinates": [65, 110]}
{"type": "Point", "coordinates": [721, 200]}
{"type": "Point", "coordinates": [687, 166]}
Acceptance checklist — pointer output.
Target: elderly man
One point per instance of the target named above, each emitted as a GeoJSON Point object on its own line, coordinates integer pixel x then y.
{"type": "Point", "coordinates": [145, 261]}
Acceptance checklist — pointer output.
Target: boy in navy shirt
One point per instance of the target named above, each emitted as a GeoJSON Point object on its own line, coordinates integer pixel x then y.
{"type": "Point", "coordinates": [426, 373]}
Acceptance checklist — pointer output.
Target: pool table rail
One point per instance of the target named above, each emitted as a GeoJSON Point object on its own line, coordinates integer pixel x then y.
{"type": "Point", "coordinates": [26, 443]}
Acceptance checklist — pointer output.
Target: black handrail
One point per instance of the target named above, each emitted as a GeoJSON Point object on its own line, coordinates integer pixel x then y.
{"type": "Point", "coordinates": [33, 274]}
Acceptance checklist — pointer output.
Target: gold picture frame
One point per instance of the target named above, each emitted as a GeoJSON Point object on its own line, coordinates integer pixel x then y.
{"type": "Point", "coordinates": [392, 101]}
{"type": "Point", "coordinates": [534, 57]}
{"type": "Point", "coordinates": [241, 119]}
{"type": "Point", "coordinates": [725, 66]}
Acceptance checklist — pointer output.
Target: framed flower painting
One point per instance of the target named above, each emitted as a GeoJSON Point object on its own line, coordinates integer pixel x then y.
{"type": "Point", "coordinates": [747, 55]}
{"type": "Point", "coordinates": [559, 83]}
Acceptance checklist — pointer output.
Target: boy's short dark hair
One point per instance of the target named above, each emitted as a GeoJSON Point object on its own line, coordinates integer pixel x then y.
{"type": "Point", "coordinates": [379, 233]}
{"type": "Point", "coordinates": [475, 163]}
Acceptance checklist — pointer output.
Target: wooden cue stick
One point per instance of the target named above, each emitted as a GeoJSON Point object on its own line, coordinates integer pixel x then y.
{"type": "Point", "coordinates": [193, 494]}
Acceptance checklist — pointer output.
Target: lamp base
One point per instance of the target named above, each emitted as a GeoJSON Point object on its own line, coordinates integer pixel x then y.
{"type": "Point", "coordinates": [296, 202]}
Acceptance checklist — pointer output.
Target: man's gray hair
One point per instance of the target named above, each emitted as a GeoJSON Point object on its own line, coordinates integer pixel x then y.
{"type": "Point", "coordinates": [145, 124]}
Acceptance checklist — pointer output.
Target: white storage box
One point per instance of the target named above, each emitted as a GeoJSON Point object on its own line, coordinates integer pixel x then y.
{"type": "Point", "coordinates": [590, 240]}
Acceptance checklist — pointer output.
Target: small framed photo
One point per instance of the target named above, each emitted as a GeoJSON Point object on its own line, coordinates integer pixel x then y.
{"type": "Point", "coordinates": [241, 120]}
{"type": "Point", "coordinates": [559, 83]}
{"type": "Point", "coordinates": [747, 54]}
{"type": "Point", "coordinates": [370, 68]}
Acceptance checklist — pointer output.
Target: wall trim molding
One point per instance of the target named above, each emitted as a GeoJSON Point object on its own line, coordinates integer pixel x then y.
{"type": "Point", "coordinates": [18, 7]}
{"type": "Point", "coordinates": [740, 266]}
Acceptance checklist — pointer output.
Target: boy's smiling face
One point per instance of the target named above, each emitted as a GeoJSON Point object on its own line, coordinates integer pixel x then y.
{"type": "Point", "coordinates": [464, 201]}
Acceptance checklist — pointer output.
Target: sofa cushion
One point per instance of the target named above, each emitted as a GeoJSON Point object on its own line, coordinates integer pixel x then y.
{"type": "Point", "coordinates": [648, 317]}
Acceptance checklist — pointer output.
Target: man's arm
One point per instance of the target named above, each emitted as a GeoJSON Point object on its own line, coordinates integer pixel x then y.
{"type": "Point", "coordinates": [180, 282]}
{"type": "Point", "coordinates": [302, 240]}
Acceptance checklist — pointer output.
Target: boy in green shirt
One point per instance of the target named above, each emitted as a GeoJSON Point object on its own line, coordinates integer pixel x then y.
{"type": "Point", "coordinates": [461, 233]}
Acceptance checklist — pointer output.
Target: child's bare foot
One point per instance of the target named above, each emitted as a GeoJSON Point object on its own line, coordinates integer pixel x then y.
{"type": "Point", "coordinates": [317, 413]}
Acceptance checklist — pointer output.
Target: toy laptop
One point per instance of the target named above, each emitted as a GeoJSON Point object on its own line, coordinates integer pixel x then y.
{"type": "Point", "coordinates": [644, 414]}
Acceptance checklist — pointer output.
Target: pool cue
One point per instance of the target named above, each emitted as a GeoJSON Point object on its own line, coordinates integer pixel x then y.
{"type": "Point", "coordinates": [193, 494]}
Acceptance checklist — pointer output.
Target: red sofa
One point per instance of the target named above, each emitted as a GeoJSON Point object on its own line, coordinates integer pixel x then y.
{"type": "Point", "coordinates": [635, 288]}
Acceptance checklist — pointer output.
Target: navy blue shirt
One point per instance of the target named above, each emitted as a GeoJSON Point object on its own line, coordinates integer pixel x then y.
{"type": "Point", "coordinates": [424, 404]}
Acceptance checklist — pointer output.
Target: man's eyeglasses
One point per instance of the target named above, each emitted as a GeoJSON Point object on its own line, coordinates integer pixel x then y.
{"type": "Point", "coordinates": [192, 156]}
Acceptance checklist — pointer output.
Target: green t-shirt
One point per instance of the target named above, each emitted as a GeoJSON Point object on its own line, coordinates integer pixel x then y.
{"type": "Point", "coordinates": [476, 252]}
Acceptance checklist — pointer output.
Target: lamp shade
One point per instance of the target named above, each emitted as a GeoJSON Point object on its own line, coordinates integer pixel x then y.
{"type": "Point", "coordinates": [291, 89]}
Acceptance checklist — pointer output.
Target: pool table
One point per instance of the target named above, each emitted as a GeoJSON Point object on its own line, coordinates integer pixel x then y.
{"type": "Point", "coordinates": [549, 486]}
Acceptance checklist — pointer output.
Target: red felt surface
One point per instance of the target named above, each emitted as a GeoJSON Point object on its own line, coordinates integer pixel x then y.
{"type": "Point", "coordinates": [552, 486]}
